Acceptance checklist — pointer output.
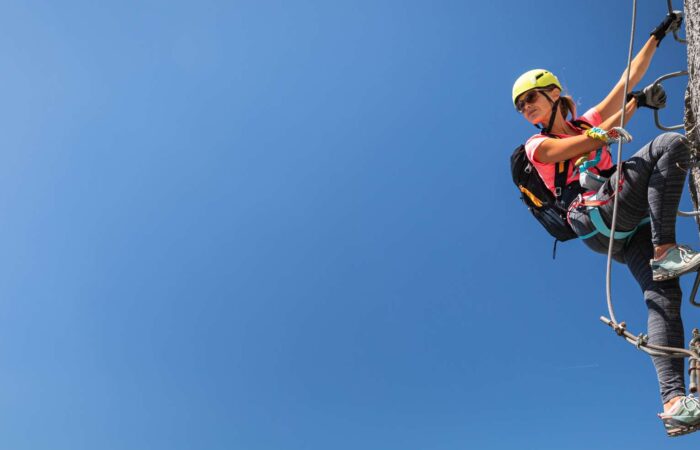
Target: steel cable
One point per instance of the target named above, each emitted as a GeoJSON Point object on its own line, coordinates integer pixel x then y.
{"type": "Point", "coordinates": [608, 274]}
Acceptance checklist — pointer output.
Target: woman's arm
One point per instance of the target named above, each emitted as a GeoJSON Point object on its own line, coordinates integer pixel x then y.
{"type": "Point", "coordinates": [554, 150]}
{"type": "Point", "coordinates": [638, 68]}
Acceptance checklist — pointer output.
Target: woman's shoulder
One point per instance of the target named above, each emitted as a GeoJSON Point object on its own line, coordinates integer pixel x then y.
{"type": "Point", "coordinates": [534, 137]}
{"type": "Point", "coordinates": [592, 116]}
{"type": "Point", "coordinates": [532, 144]}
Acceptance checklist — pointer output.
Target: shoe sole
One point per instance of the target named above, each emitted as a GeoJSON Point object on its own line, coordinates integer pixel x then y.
{"type": "Point", "coordinates": [682, 431]}
{"type": "Point", "coordinates": [667, 276]}
{"type": "Point", "coordinates": [680, 428]}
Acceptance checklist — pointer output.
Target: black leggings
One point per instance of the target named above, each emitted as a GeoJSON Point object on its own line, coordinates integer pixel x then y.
{"type": "Point", "coordinates": [653, 183]}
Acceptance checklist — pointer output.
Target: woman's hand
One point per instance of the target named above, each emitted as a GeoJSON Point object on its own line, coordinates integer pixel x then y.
{"type": "Point", "coordinates": [652, 96]}
{"type": "Point", "coordinates": [671, 23]}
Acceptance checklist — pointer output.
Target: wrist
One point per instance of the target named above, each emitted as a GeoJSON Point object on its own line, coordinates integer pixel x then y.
{"type": "Point", "coordinates": [597, 134]}
{"type": "Point", "coordinates": [658, 38]}
{"type": "Point", "coordinates": [637, 97]}
{"type": "Point", "coordinates": [610, 136]}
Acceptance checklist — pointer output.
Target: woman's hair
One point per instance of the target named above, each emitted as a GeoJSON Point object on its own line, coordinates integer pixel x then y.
{"type": "Point", "coordinates": [567, 105]}
{"type": "Point", "coordinates": [566, 102]}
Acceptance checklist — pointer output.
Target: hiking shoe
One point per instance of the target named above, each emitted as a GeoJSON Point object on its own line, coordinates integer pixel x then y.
{"type": "Point", "coordinates": [677, 261]}
{"type": "Point", "coordinates": [683, 417]}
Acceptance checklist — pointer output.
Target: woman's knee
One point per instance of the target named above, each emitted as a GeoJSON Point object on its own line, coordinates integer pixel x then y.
{"type": "Point", "coordinates": [675, 144]}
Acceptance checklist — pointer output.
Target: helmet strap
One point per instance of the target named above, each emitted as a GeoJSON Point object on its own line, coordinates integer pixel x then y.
{"type": "Point", "coordinates": [553, 117]}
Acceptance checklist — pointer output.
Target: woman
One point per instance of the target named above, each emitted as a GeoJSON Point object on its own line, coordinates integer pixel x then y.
{"type": "Point", "coordinates": [651, 185]}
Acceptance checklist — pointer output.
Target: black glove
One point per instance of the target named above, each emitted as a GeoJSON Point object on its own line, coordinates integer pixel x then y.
{"type": "Point", "coordinates": [652, 96]}
{"type": "Point", "coordinates": [671, 23]}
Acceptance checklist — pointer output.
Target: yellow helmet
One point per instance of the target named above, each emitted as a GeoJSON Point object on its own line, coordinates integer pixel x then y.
{"type": "Point", "coordinates": [536, 78]}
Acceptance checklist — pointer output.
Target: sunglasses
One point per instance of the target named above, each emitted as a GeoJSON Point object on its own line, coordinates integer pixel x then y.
{"type": "Point", "coordinates": [528, 98]}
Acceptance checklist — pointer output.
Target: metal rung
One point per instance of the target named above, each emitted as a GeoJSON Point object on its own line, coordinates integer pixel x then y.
{"type": "Point", "coordinates": [695, 290]}
{"type": "Point", "coordinates": [656, 111]}
{"type": "Point", "coordinates": [675, 32]}
{"type": "Point", "coordinates": [675, 35]}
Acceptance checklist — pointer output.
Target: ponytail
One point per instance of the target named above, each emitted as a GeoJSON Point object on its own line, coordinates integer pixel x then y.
{"type": "Point", "coordinates": [567, 105]}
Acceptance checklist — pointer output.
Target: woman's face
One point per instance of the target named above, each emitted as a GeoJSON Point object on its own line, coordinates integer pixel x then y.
{"type": "Point", "coordinates": [535, 106]}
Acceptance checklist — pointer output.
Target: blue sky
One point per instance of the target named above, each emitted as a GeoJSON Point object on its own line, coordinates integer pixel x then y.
{"type": "Point", "coordinates": [291, 225]}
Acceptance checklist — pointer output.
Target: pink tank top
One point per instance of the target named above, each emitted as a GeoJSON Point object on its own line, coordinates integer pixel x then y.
{"type": "Point", "coordinates": [547, 170]}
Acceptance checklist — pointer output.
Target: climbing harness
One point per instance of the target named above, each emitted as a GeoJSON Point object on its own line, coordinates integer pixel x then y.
{"type": "Point", "coordinates": [589, 180]}
{"type": "Point", "coordinates": [600, 227]}
{"type": "Point", "coordinates": [593, 202]}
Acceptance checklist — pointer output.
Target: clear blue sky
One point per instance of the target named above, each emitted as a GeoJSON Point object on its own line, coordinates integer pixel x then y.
{"type": "Point", "coordinates": [275, 225]}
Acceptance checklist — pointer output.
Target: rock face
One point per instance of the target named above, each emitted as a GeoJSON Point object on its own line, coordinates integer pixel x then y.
{"type": "Point", "coordinates": [692, 94]}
